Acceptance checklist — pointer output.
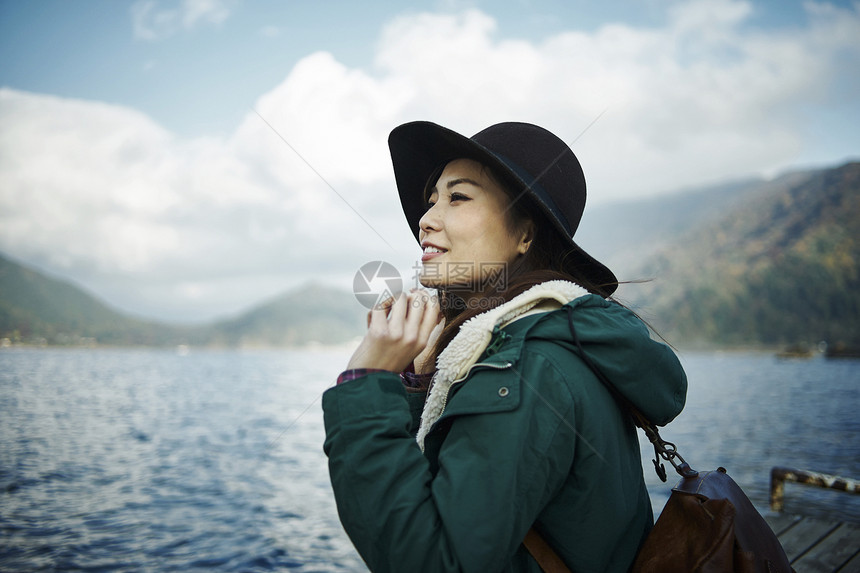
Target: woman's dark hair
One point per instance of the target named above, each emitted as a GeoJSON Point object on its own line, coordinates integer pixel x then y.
{"type": "Point", "coordinates": [546, 259]}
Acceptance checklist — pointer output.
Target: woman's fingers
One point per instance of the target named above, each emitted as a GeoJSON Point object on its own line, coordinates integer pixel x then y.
{"type": "Point", "coordinates": [372, 351]}
{"type": "Point", "coordinates": [377, 315]}
{"type": "Point", "coordinates": [417, 305]}
{"type": "Point", "coordinates": [432, 317]}
{"type": "Point", "coordinates": [424, 314]}
{"type": "Point", "coordinates": [387, 303]}
{"type": "Point", "coordinates": [397, 316]}
{"type": "Point", "coordinates": [384, 306]}
{"type": "Point", "coordinates": [398, 330]}
{"type": "Point", "coordinates": [431, 327]}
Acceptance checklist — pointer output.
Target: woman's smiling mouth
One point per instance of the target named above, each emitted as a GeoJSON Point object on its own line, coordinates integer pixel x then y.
{"type": "Point", "coordinates": [431, 251]}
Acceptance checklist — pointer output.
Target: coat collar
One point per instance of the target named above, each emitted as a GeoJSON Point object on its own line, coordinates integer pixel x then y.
{"type": "Point", "coordinates": [474, 336]}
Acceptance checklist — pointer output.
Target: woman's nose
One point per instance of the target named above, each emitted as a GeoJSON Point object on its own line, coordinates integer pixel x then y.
{"type": "Point", "coordinates": [430, 220]}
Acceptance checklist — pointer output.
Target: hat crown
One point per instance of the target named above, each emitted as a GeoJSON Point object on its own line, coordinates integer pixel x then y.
{"type": "Point", "coordinates": [543, 162]}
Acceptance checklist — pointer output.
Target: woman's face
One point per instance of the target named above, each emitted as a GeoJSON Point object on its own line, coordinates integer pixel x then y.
{"type": "Point", "coordinates": [465, 234]}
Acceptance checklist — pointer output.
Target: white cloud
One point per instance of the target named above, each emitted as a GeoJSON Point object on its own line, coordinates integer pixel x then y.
{"type": "Point", "coordinates": [152, 22]}
{"type": "Point", "coordinates": [700, 99]}
{"type": "Point", "coordinates": [337, 118]}
{"type": "Point", "coordinates": [190, 228]}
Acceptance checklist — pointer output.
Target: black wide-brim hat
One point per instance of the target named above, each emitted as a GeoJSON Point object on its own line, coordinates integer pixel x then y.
{"type": "Point", "coordinates": [535, 165]}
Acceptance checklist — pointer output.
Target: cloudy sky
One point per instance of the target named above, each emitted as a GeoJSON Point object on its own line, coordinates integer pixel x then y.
{"type": "Point", "coordinates": [187, 159]}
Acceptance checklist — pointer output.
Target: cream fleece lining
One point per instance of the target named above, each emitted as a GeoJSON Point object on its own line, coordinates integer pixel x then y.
{"type": "Point", "coordinates": [463, 351]}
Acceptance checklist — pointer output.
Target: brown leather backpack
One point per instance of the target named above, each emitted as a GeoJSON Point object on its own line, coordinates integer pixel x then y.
{"type": "Point", "coordinates": [709, 525]}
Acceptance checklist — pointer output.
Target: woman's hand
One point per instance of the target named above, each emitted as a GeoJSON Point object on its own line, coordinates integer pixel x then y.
{"type": "Point", "coordinates": [397, 332]}
{"type": "Point", "coordinates": [422, 363]}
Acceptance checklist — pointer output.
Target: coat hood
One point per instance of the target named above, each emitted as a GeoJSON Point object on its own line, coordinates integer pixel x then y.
{"type": "Point", "coordinates": [617, 343]}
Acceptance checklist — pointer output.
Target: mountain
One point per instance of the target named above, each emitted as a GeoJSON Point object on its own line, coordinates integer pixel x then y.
{"type": "Point", "coordinates": [38, 309]}
{"type": "Point", "coordinates": [622, 235]}
{"type": "Point", "coordinates": [779, 268]}
{"type": "Point", "coordinates": [314, 313]}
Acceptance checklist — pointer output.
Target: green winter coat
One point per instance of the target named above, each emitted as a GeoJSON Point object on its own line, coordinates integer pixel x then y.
{"type": "Point", "coordinates": [529, 437]}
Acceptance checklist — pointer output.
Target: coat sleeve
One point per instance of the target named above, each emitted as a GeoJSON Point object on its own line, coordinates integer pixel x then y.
{"type": "Point", "coordinates": [496, 468]}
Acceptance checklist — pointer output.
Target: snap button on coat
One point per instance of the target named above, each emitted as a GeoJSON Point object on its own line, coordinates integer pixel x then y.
{"type": "Point", "coordinates": [503, 391]}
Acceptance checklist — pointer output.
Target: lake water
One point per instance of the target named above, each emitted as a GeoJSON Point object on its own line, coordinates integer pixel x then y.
{"type": "Point", "coordinates": [124, 460]}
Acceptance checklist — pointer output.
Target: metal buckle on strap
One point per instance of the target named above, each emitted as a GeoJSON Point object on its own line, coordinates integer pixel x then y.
{"type": "Point", "coordinates": [667, 451]}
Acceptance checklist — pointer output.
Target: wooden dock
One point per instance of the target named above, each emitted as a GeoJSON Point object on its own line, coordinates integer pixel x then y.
{"type": "Point", "coordinates": [816, 545]}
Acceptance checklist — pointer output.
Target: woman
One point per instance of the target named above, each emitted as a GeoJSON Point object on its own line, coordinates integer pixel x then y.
{"type": "Point", "coordinates": [516, 431]}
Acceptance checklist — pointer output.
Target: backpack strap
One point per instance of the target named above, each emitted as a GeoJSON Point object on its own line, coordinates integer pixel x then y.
{"type": "Point", "coordinates": [546, 557]}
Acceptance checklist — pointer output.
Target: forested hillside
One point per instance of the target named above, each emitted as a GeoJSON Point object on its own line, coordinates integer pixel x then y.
{"type": "Point", "coordinates": [782, 268]}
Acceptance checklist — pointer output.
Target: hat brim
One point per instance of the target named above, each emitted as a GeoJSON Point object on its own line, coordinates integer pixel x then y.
{"type": "Point", "coordinates": [420, 148]}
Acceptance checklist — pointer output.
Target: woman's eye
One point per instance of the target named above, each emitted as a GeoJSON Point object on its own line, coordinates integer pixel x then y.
{"type": "Point", "coordinates": [458, 197]}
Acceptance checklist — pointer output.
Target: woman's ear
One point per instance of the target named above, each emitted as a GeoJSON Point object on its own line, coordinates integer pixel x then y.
{"type": "Point", "coordinates": [526, 238]}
